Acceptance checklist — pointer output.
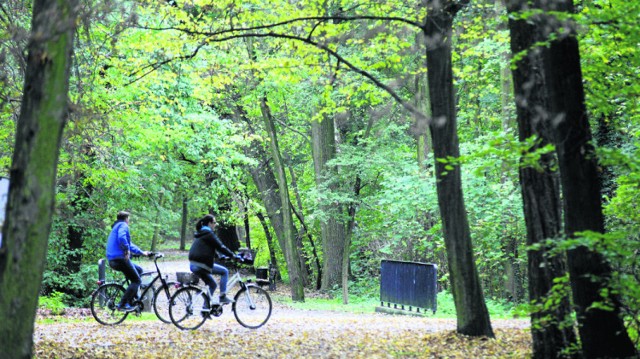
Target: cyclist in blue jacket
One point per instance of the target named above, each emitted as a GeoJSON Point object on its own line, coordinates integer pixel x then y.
{"type": "Point", "coordinates": [119, 251]}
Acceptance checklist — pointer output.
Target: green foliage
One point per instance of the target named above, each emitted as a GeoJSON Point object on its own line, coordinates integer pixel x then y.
{"type": "Point", "coordinates": [55, 302]}
{"type": "Point", "coordinates": [166, 103]}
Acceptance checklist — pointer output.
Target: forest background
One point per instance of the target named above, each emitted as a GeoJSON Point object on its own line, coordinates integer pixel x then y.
{"type": "Point", "coordinates": [177, 109]}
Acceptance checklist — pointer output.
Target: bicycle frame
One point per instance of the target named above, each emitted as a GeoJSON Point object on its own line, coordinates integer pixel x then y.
{"type": "Point", "coordinates": [143, 291]}
{"type": "Point", "coordinates": [106, 298]}
{"type": "Point", "coordinates": [192, 304]}
{"type": "Point", "coordinates": [163, 280]}
{"type": "Point", "coordinates": [234, 280]}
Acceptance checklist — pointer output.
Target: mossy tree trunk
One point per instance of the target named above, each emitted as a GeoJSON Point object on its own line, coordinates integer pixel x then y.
{"type": "Point", "coordinates": [33, 172]}
{"type": "Point", "coordinates": [290, 249]}
{"type": "Point", "coordinates": [332, 229]}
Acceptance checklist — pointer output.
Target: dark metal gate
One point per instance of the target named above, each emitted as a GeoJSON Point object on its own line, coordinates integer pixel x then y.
{"type": "Point", "coordinates": [411, 286]}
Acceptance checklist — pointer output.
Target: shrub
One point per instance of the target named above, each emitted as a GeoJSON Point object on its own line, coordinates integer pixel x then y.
{"type": "Point", "coordinates": [53, 302]}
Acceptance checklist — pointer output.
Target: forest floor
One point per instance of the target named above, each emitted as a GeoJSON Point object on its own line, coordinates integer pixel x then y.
{"type": "Point", "coordinates": [289, 333]}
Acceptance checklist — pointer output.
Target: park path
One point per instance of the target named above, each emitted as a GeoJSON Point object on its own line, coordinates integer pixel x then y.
{"type": "Point", "coordinates": [289, 333]}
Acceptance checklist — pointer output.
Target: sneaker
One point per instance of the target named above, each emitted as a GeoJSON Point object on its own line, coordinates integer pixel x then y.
{"type": "Point", "coordinates": [225, 300]}
{"type": "Point", "coordinates": [127, 308]}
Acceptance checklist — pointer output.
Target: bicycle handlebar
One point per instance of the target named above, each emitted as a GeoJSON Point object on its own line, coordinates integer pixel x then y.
{"type": "Point", "coordinates": [151, 254]}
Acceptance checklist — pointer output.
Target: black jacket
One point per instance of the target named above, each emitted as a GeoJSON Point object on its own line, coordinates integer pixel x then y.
{"type": "Point", "coordinates": [205, 247]}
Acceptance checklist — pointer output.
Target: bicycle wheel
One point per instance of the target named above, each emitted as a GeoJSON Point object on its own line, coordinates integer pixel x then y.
{"type": "Point", "coordinates": [186, 308]}
{"type": "Point", "coordinates": [252, 307]}
{"type": "Point", "coordinates": [161, 299]}
{"type": "Point", "coordinates": [104, 304]}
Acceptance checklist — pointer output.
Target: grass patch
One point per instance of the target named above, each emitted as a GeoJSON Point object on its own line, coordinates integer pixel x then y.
{"type": "Point", "coordinates": [54, 319]}
{"type": "Point", "coordinates": [356, 305]}
{"type": "Point", "coordinates": [445, 307]}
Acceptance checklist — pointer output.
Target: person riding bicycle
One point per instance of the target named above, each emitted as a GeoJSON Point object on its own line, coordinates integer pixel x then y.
{"type": "Point", "coordinates": [203, 253]}
{"type": "Point", "coordinates": [119, 251]}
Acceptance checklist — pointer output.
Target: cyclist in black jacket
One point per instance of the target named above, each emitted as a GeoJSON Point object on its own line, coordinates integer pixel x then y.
{"type": "Point", "coordinates": [204, 251]}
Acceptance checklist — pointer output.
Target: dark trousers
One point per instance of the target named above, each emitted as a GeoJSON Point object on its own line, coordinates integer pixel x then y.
{"type": "Point", "coordinates": [132, 272]}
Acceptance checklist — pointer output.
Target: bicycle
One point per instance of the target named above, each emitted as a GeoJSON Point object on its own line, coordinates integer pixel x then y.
{"type": "Point", "coordinates": [105, 299]}
{"type": "Point", "coordinates": [191, 305]}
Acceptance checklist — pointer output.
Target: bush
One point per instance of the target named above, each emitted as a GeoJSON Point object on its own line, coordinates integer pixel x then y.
{"type": "Point", "coordinates": [54, 303]}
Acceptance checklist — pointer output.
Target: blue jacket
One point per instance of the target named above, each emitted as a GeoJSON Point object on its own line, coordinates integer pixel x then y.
{"type": "Point", "coordinates": [119, 242]}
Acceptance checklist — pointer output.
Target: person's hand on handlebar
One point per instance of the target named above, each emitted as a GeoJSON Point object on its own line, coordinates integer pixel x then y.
{"type": "Point", "coordinates": [238, 258]}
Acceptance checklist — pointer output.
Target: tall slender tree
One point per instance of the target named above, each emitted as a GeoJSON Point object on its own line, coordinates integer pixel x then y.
{"type": "Point", "coordinates": [333, 230]}
{"type": "Point", "coordinates": [30, 204]}
{"type": "Point", "coordinates": [601, 330]}
{"type": "Point", "coordinates": [290, 249]}
{"type": "Point", "coordinates": [541, 196]}
{"type": "Point", "coordinates": [471, 310]}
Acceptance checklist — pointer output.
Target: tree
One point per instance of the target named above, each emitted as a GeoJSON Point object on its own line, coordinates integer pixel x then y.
{"type": "Point", "coordinates": [601, 330]}
{"type": "Point", "coordinates": [541, 197]}
{"type": "Point", "coordinates": [471, 310]}
{"type": "Point", "coordinates": [333, 230]}
{"type": "Point", "coordinates": [290, 249]}
{"type": "Point", "coordinates": [33, 172]}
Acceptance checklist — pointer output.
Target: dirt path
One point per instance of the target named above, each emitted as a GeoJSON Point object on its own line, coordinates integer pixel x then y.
{"type": "Point", "coordinates": [289, 333]}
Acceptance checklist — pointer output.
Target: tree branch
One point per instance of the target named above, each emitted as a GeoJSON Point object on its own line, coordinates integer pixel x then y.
{"type": "Point", "coordinates": [287, 22]}
{"type": "Point", "coordinates": [245, 32]}
{"type": "Point", "coordinates": [157, 65]}
{"type": "Point", "coordinates": [408, 106]}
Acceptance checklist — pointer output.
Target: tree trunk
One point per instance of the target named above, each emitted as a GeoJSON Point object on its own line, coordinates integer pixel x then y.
{"type": "Point", "coordinates": [324, 149]}
{"type": "Point", "coordinates": [306, 266]}
{"type": "Point", "coordinates": [228, 235]}
{"type": "Point", "coordinates": [605, 137]}
{"type": "Point", "coordinates": [602, 332]}
{"type": "Point", "coordinates": [265, 181]}
{"type": "Point", "coordinates": [33, 172]}
{"type": "Point", "coordinates": [472, 315]}
{"type": "Point", "coordinates": [290, 249]}
{"type": "Point", "coordinates": [506, 79]}
{"type": "Point", "coordinates": [156, 229]}
{"type": "Point", "coordinates": [422, 103]}
{"type": "Point", "coordinates": [541, 197]}
{"type": "Point", "coordinates": [314, 252]}
{"type": "Point", "coordinates": [183, 224]}
{"type": "Point", "coordinates": [267, 234]}
{"type": "Point", "coordinates": [347, 242]}
{"type": "Point", "coordinates": [247, 229]}
{"type": "Point", "coordinates": [305, 261]}
{"type": "Point", "coordinates": [511, 270]}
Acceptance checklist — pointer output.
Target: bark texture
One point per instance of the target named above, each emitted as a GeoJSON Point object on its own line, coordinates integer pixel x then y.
{"type": "Point", "coordinates": [471, 310]}
{"type": "Point", "coordinates": [33, 172]}
{"type": "Point", "coordinates": [540, 194]}
{"type": "Point", "coordinates": [290, 249]}
{"type": "Point", "coordinates": [333, 231]}
{"type": "Point", "coordinates": [602, 332]}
